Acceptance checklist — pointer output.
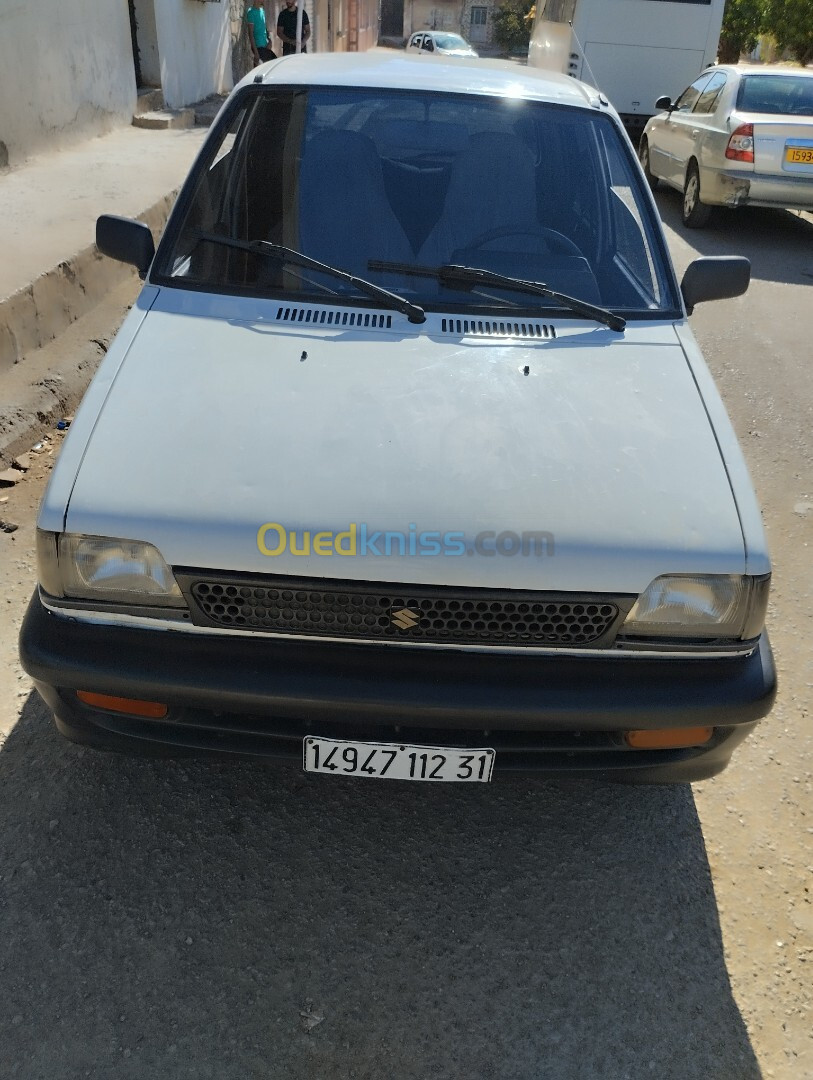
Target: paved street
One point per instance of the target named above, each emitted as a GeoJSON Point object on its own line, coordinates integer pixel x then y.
{"type": "Point", "coordinates": [237, 920]}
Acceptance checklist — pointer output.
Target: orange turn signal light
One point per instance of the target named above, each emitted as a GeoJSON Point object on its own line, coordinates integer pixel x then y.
{"type": "Point", "coordinates": [668, 738]}
{"type": "Point", "coordinates": [152, 709]}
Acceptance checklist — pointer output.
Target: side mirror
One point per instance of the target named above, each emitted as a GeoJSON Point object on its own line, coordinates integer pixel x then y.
{"type": "Point", "coordinates": [664, 102]}
{"type": "Point", "coordinates": [716, 277]}
{"type": "Point", "coordinates": [125, 240]}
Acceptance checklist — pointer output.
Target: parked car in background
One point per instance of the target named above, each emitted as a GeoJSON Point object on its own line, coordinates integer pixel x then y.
{"type": "Point", "coordinates": [738, 136]}
{"type": "Point", "coordinates": [440, 41]}
{"type": "Point", "coordinates": [406, 463]}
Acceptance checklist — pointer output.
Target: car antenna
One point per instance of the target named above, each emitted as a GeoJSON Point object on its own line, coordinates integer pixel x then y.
{"type": "Point", "coordinates": [584, 57]}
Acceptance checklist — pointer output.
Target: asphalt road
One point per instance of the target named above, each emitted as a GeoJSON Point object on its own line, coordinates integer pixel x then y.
{"type": "Point", "coordinates": [239, 920]}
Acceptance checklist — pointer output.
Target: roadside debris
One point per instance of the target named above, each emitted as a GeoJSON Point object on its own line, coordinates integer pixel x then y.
{"type": "Point", "coordinates": [8, 526]}
{"type": "Point", "coordinates": [9, 477]}
{"type": "Point", "coordinates": [22, 462]}
{"type": "Point", "coordinates": [310, 1019]}
{"type": "Point", "coordinates": [64, 423]}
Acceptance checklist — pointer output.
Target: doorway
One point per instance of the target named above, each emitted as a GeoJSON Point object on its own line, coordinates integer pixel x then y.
{"type": "Point", "coordinates": [479, 18]}
{"type": "Point", "coordinates": [392, 19]}
{"type": "Point", "coordinates": [145, 43]}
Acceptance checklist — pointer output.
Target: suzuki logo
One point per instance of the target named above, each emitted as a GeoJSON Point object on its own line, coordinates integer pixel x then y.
{"type": "Point", "coordinates": [405, 619]}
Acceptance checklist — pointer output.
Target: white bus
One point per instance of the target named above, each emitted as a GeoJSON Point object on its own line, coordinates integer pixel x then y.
{"type": "Point", "coordinates": [634, 51]}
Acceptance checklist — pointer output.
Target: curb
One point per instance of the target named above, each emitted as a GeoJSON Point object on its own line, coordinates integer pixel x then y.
{"type": "Point", "coordinates": [52, 381]}
{"type": "Point", "coordinates": [34, 316]}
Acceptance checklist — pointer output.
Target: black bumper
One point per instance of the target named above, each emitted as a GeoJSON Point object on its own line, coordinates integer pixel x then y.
{"type": "Point", "coordinates": [259, 696]}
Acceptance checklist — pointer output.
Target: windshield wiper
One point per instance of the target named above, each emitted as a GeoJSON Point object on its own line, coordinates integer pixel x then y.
{"type": "Point", "coordinates": [414, 313]}
{"type": "Point", "coordinates": [452, 275]}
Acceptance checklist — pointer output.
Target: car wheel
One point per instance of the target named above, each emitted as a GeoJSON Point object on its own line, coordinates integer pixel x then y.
{"type": "Point", "coordinates": [643, 157]}
{"type": "Point", "coordinates": [696, 214]}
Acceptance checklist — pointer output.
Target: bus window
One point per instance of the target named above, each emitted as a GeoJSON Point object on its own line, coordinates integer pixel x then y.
{"type": "Point", "coordinates": [558, 11]}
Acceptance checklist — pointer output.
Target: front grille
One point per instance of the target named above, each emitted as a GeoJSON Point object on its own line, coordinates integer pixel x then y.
{"type": "Point", "coordinates": [365, 611]}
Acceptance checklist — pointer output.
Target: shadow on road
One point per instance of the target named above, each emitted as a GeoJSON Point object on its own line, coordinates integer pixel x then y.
{"type": "Point", "coordinates": [193, 919]}
{"type": "Point", "coordinates": [778, 242]}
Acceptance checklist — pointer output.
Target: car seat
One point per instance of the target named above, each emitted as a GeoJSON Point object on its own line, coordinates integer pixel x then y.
{"type": "Point", "coordinates": [491, 190]}
{"type": "Point", "coordinates": [345, 217]}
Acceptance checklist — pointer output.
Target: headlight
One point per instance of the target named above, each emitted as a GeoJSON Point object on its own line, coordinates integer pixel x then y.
{"type": "Point", "coordinates": [99, 568]}
{"type": "Point", "coordinates": [700, 606]}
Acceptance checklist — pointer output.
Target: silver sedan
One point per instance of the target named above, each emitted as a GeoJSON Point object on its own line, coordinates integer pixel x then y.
{"type": "Point", "coordinates": [738, 136]}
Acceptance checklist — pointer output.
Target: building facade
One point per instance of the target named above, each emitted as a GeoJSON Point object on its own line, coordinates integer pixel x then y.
{"type": "Point", "coordinates": [471, 18]}
{"type": "Point", "coordinates": [184, 46]}
{"type": "Point", "coordinates": [59, 88]}
{"type": "Point", "coordinates": [476, 23]}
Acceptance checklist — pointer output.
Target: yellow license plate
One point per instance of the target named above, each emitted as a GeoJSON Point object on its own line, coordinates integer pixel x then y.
{"type": "Point", "coordinates": [799, 155]}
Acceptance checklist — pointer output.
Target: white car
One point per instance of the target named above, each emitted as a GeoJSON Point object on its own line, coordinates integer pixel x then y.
{"type": "Point", "coordinates": [406, 463]}
{"type": "Point", "coordinates": [738, 136]}
{"type": "Point", "coordinates": [440, 42]}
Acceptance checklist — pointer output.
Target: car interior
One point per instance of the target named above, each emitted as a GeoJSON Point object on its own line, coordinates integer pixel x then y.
{"type": "Point", "coordinates": [530, 191]}
{"type": "Point", "coordinates": [782, 95]}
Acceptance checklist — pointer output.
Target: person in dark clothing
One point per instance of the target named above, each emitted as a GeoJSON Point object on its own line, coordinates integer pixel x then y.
{"type": "Point", "coordinates": [286, 28]}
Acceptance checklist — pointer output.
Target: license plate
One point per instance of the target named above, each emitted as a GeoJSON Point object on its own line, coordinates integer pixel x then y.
{"type": "Point", "coordinates": [799, 155]}
{"type": "Point", "coordinates": [397, 761]}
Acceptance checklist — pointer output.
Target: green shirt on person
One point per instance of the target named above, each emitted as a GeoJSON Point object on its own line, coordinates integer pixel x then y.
{"type": "Point", "coordinates": [256, 17]}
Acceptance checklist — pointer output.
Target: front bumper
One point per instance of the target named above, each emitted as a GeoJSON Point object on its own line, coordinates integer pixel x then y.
{"type": "Point", "coordinates": [238, 693]}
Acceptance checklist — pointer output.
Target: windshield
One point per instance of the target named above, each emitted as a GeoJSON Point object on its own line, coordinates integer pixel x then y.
{"type": "Point", "coordinates": [780, 95]}
{"type": "Point", "coordinates": [358, 177]}
{"type": "Point", "coordinates": [450, 41]}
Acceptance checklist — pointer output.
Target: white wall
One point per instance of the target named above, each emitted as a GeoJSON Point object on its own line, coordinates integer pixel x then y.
{"type": "Point", "coordinates": [66, 72]}
{"type": "Point", "coordinates": [194, 44]}
{"type": "Point", "coordinates": [149, 61]}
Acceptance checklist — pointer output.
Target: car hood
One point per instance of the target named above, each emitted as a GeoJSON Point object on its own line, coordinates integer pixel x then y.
{"type": "Point", "coordinates": [219, 423]}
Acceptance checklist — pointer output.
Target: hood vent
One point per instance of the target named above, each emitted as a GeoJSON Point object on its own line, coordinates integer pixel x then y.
{"type": "Point", "coordinates": [498, 328]}
{"type": "Point", "coordinates": [373, 320]}
{"type": "Point", "coordinates": [308, 316]}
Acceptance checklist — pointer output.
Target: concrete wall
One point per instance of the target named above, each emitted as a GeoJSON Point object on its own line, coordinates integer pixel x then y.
{"type": "Point", "coordinates": [431, 15]}
{"type": "Point", "coordinates": [66, 73]}
{"type": "Point", "coordinates": [241, 59]}
{"type": "Point", "coordinates": [342, 25]}
{"type": "Point", "coordinates": [368, 24]}
{"type": "Point", "coordinates": [194, 44]}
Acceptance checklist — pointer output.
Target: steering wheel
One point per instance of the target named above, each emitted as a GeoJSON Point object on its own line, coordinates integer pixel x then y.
{"type": "Point", "coordinates": [557, 243]}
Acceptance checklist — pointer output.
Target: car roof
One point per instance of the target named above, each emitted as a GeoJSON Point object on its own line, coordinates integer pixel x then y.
{"type": "Point", "coordinates": [397, 70]}
{"type": "Point", "coordinates": [760, 69]}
